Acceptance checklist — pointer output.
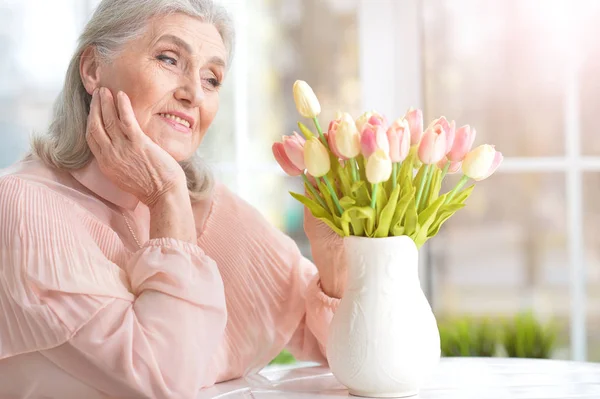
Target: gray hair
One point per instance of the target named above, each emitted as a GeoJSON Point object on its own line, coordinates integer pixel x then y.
{"type": "Point", "coordinates": [113, 24]}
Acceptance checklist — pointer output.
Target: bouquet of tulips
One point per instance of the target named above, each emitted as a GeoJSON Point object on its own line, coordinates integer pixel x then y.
{"type": "Point", "coordinates": [368, 178]}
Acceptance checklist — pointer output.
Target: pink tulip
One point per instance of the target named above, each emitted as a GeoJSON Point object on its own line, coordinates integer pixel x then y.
{"type": "Point", "coordinates": [368, 142]}
{"type": "Point", "coordinates": [294, 149]}
{"type": "Point", "coordinates": [454, 166]}
{"type": "Point", "coordinates": [449, 129]}
{"type": "Point", "coordinates": [344, 138]}
{"type": "Point", "coordinates": [283, 160]}
{"type": "Point", "coordinates": [399, 137]}
{"type": "Point", "coordinates": [432, 148]}
{"type": "Point", "coordinates": [463, 141]}
{"type": "Point", "coordinates": [415, 122]}
{"type": "Point", "coordinates": [330, 135]}
{"type": "Point", "coordinates": [381, 139]}
{"type": "Point", "coordinates": [372, 118]}
{"type": "Point", "coordinates": [377, 120]}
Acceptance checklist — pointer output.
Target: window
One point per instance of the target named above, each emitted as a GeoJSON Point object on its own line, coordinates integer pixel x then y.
{"type": "Point", "coordinates": [511, 69]}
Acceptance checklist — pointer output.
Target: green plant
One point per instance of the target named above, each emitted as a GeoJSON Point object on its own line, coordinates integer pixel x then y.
{"type": "Point", "coordinates": [526, 337]}
{"type": "Point", "coordinates": [468, 337]}
{"type": "Point", "coordinates": [284, 357]}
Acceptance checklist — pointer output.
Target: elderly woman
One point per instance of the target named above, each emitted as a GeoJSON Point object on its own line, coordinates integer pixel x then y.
{"type": "Point", "coordinates": [124, 272]}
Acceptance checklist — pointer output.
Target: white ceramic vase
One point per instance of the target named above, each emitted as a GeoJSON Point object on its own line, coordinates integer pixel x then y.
{"type": "Point", "coordinates": [383, 340]}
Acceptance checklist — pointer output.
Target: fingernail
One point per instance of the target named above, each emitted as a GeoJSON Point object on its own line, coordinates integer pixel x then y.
{"type": "Point", "coordinates": [95, 92]}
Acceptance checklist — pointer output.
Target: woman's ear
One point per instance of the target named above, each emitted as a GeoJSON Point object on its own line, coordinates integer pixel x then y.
{"type": "Point", "coordinates": [89, 69]}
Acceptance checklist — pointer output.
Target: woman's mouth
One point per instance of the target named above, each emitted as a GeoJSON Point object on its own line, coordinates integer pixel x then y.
{"type": "Point", "coordinates": [176, 122]}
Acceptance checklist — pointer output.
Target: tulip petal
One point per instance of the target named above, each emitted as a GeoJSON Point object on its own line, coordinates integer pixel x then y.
{"type": "Point", "coordinates": [283, 161]}
{"type": "Point", "coordinates": [368, 143]}
{"type": "Point", "coordinates": [463, 141]}
{"type": "Point", "coordinates": [415, 122]}
{"type": "Point", "coordinates": [498, 158]}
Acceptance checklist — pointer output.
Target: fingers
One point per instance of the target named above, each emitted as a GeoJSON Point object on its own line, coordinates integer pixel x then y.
{"type": "Point", "coordinates": [131, 127]}
{"type": "Point", "coordinates": [110, 118]}
{"type": "Point", "coordinates": [95, 133]}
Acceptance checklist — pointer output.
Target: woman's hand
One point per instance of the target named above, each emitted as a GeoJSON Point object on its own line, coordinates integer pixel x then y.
{"type": "Point", "coordinates": [137, 165]}
{"type": "Point", "coordinates": [126, 155]}
{"type": "Point", "coordinates": [328, 254]}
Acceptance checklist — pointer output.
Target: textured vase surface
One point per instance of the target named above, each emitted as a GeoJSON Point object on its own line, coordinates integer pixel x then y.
{"type": "Point", "coordinates": [383, 340]}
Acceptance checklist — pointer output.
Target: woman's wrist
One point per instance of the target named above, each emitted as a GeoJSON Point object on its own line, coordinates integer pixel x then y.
{"type": "Point", "coordinates": [171, 216]}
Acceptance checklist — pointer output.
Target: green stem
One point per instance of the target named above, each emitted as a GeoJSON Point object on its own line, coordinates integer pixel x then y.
{"type": "Point", "coordinates": [354, 170]}
{"type": "Point", "coordinates": [312, 190]}
{"type": "Point", "coordinates": [394, 175]}
{"type": "Point", "coordinates": [321, 135]}
{"type": "Point", "coordinates": [333, 195]}
{"type": "Point", "coordinates": [445, 171]}
{"type": "Point", "coordinates": [427, 187]}
{"type": "Point", "coordinates": [461, 183]}
{"type": "Point", "coordinates": [422, 185]}
{"type": "Point", "coordinates": [374, 196]}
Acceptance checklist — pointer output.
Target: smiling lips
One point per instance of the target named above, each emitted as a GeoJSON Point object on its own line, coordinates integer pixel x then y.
{"type": "Point", "coordinates": [176, 119]}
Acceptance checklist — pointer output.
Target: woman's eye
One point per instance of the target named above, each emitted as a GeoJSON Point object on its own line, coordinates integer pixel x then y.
{"type": "Point", "coordinates": [167, 59]}
{"type": "Point", "coordinates": [214, 82]}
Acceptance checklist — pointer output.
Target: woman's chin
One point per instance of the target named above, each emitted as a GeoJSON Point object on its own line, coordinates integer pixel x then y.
{"type": "Point", "coordinates": [179, 154]}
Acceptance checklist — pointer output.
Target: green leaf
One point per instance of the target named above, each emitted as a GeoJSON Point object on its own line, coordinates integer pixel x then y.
{"type": "Point", "coordinates": [320, 213]}
{"type": "Point", "coordinates": [345, 175]}
{"type": "Point", "coordinates": [380, 201]}
{"type": "Point", "coordinates": [357, 185]}
{"type": "Point", "coordinates": [314, 208]}
{"type": "Point", "coordinates": [347, 202]}
{"type": "Point", "coordinates": [411, 218]}
{"type": "Point", "coordinates": [429, 183]}
{"type": "Point", "coordinates": [305, 131]}
{"type": "Point", "coordinates": [333, 225]}
{"type": "Point", "coordinates": [419, 177]}
{"type": "Point", "coordinates": [361, 193]}
{"type": "Point", "coordinates": [444, 214]}
{"type": "Point", "coordinates": [360, 213]}
{"type": "Point", "coordinates": [403, 205]}
{"type": "Point", "coordinates": [407, 169]}
{"type": "Point", "coordinates": [386, 215]}
{"type": "Point", "coordinates": [435, 187]}
{"type": "Point", "coordinates": [327, 196]}
{"type": "Point", "coordinates": [397, 230]}
{"type": "Point", "coordinates": [345, 228]}
{"type": "Point", "coordinates": [362, 171]}
{"type": "Point", "coordinates": [462, 196]}
{"type": "Point", "coordinates": [426, 218]}
{"type": "Point", "coordinates": [428, 214]}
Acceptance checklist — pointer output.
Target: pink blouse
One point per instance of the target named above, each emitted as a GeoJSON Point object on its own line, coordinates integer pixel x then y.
{"type": "Point", "coordinates": [86, 313]}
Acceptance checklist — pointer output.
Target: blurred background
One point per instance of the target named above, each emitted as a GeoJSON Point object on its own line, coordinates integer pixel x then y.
{"type": "Point", "coordinates": [522, 72]}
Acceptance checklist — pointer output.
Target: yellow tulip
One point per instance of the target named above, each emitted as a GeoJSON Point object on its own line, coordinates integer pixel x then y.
{"type": "Point", "coordinates": [316, 157]}
{"type": "Point", "coordinates": [347, 138]}
{"type": "Point", "coordinates": [307, 103]}
{"type": "Point", "coordinates": [481, 162]}
{"type": "Point", "coordinates": [379, 167]}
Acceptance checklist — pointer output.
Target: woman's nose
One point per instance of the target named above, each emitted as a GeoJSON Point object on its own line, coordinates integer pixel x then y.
{"type": "Point", "coordinates": [191, 92]}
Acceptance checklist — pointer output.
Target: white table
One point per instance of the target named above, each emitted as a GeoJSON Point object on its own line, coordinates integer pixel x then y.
{"type": "Point", "coordinates": [455, 378]}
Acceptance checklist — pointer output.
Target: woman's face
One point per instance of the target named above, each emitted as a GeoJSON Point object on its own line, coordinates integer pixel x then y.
{"type": "Point", "coordinates": [172, 75]}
